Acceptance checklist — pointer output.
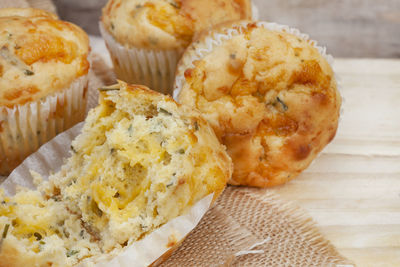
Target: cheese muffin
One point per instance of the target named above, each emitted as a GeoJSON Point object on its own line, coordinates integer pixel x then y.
{"type": "Point", "coordinates": [43, 81]}
{"type": "Point", "coordinates": [140, 161]}
{"type": "Point", "coordinates": [269, 93]}
{"type": "Point", "coordinates": [147, 37]}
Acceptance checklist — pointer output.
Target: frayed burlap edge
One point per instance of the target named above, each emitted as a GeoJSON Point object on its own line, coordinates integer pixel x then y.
{"type": "Point", "coordinates": [243, 217]}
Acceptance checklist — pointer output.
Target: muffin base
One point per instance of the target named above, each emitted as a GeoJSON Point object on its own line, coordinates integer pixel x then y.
{"type": "Point", "coordinates": [153, 68]}
{"type": "Point", "coordinates": [24, 128]}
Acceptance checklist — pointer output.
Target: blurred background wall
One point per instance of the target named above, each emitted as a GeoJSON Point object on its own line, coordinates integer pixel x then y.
{"type": "Point", "coordinates": [349, 28]}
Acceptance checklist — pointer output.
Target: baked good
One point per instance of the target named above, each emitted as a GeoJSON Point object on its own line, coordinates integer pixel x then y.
{"type": "Point", "coordinates": [147, 37]}
{"type": "Point", "coordinates": [43, 81]}
{"type": "Point", "coordinates": [269, 93]}
{"type": "Point", "coordinates": [140, 161]}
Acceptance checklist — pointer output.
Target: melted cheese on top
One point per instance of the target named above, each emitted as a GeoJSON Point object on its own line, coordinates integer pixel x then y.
{"type": "Point", "coordinates": [168, 24]}
{"type": "Point", "coordinates": [39, 55]}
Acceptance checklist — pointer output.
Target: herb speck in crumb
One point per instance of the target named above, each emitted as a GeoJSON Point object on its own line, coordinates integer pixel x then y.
{"type": "Point", "coordinates": [38, 236]}
{"type": "Point", "coordinates": [284, 106]}
{"type": "Point", "coordinates": [174, 4]}
{"type": "Point", "coordinates": [72, 252]}
{"type": "Point", "coordinates": [165, 112]}
{"type": "Point", "coordinates": [130, 130]}
{"type": "Point", "coordinates": [114, 87]}
{"type": "Point", "coordinates": [5, 231]}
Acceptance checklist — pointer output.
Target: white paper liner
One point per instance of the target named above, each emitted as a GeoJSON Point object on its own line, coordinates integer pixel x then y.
{"type": "Point", "coordinates": [255, 14]}
{"type": "Point", "coordinates": [49, 158]}
{"type": "Point", "coordinates": [26, 127]}
{"type": "Point", "coordinates": [153, 68]}
{"type": "Point", "coordinates": [217, 39]}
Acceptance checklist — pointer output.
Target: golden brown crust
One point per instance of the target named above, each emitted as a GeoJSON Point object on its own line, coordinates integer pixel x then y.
{"type": "Point", "coordinates": [39, 55]}
{"type": "Point", "coordinates": [162, 24]}
{"type": "Point", "coordinates": [270, 96]}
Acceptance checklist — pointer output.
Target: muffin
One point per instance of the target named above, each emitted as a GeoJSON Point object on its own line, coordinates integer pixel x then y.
{"type": "Point", "coordinates": [269, 93]}
{"type": "Point", "coordinates": [43, 81]}
{"type": "Point", "coordinates": [140, 161]}
{"type": "Point", "coordinates": [147, 37]}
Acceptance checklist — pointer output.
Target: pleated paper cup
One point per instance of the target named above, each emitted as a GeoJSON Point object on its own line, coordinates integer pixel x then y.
{"type": "Point", "coordinates": [24, 128]}
{"type": "Point", "coordinates": [150, 67]}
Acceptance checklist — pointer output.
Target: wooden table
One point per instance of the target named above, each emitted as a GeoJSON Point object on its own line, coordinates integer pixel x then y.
{"type": "Point", "coordinates": [352, 190]}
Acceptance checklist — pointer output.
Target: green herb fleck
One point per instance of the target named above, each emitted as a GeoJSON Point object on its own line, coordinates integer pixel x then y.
{"type": "Point", "coordinates": [41, 242]}
{"type": "Point", "coordinates": [72, 252]}
{"type": "Point", "coordinates": [73, 149]}
{"type": "Point", "coordinates": [38, 236]}
{"type": "Point", "coordinates": [112, 26]}
{"type": "Point", "coordinates": [174, 4]}
{"type": "Point", "coordinates": [5, 231]}
{"type": "Point", "coordinates": [284, 106]}
{"type": "Point", "coordinates": [130, 130]}
{"type": "Point", "coordinates": [170, 184]}
{"type": "Point", "coordinates": [232, 56]}
{"type": "Point", "coordinates": [181, 151]}
{"type": "Point", "coordinates": [28, 72]}
{"type": "Point", "coordinates": [116, 195]}
{"type": "Point", "coordinates": [114, 87]}
{"type": "Point", "coordinates": [138, 6]}
{"type": "Point", "coordinates": [96, 209]}
{"type": "Point", "coordinates": [165, 112]}
{"type": "Point", "coordinates": [196, 125]}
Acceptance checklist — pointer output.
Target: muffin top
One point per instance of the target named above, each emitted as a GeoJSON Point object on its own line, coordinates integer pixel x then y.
{"type": "Point", "coordinates": [39, 55]}
{"type": "Point", "coordinates": [270, 95]}
{"type": "Point", "coordinates": [140, 161]}
{"type": "Point", "coordinates": [167, 24]}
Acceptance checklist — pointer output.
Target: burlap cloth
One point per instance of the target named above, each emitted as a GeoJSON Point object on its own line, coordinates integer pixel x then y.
{"type": "Point", "coordinates": [247, 226]}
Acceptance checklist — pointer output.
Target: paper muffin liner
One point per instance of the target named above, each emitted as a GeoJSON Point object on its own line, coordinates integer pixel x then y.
{"type": "Point", "coordinates": [200, 50]}
{"type": "Point", "coordinates": [152, 249]}
{"type": "Point", "coordinates": [255, 14]}
{"type": "Point", "coordinates": [153, 68]}
{"type": "Point", "coordinates": [24, 128]}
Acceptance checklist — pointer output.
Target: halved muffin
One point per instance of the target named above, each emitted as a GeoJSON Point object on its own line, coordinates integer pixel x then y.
{"type": "Point", "coordinates": [147, 37]}
{"type": "Point", "coordinates": [43, 81]}
{"type": "Point", "coordinates": [140, 161]}
{"type": "Point", "coordinates": [269, 93]}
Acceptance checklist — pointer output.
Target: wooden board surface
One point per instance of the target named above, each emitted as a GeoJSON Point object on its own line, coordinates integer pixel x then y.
{"type": "Point", "coordinates": [352, 190]}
